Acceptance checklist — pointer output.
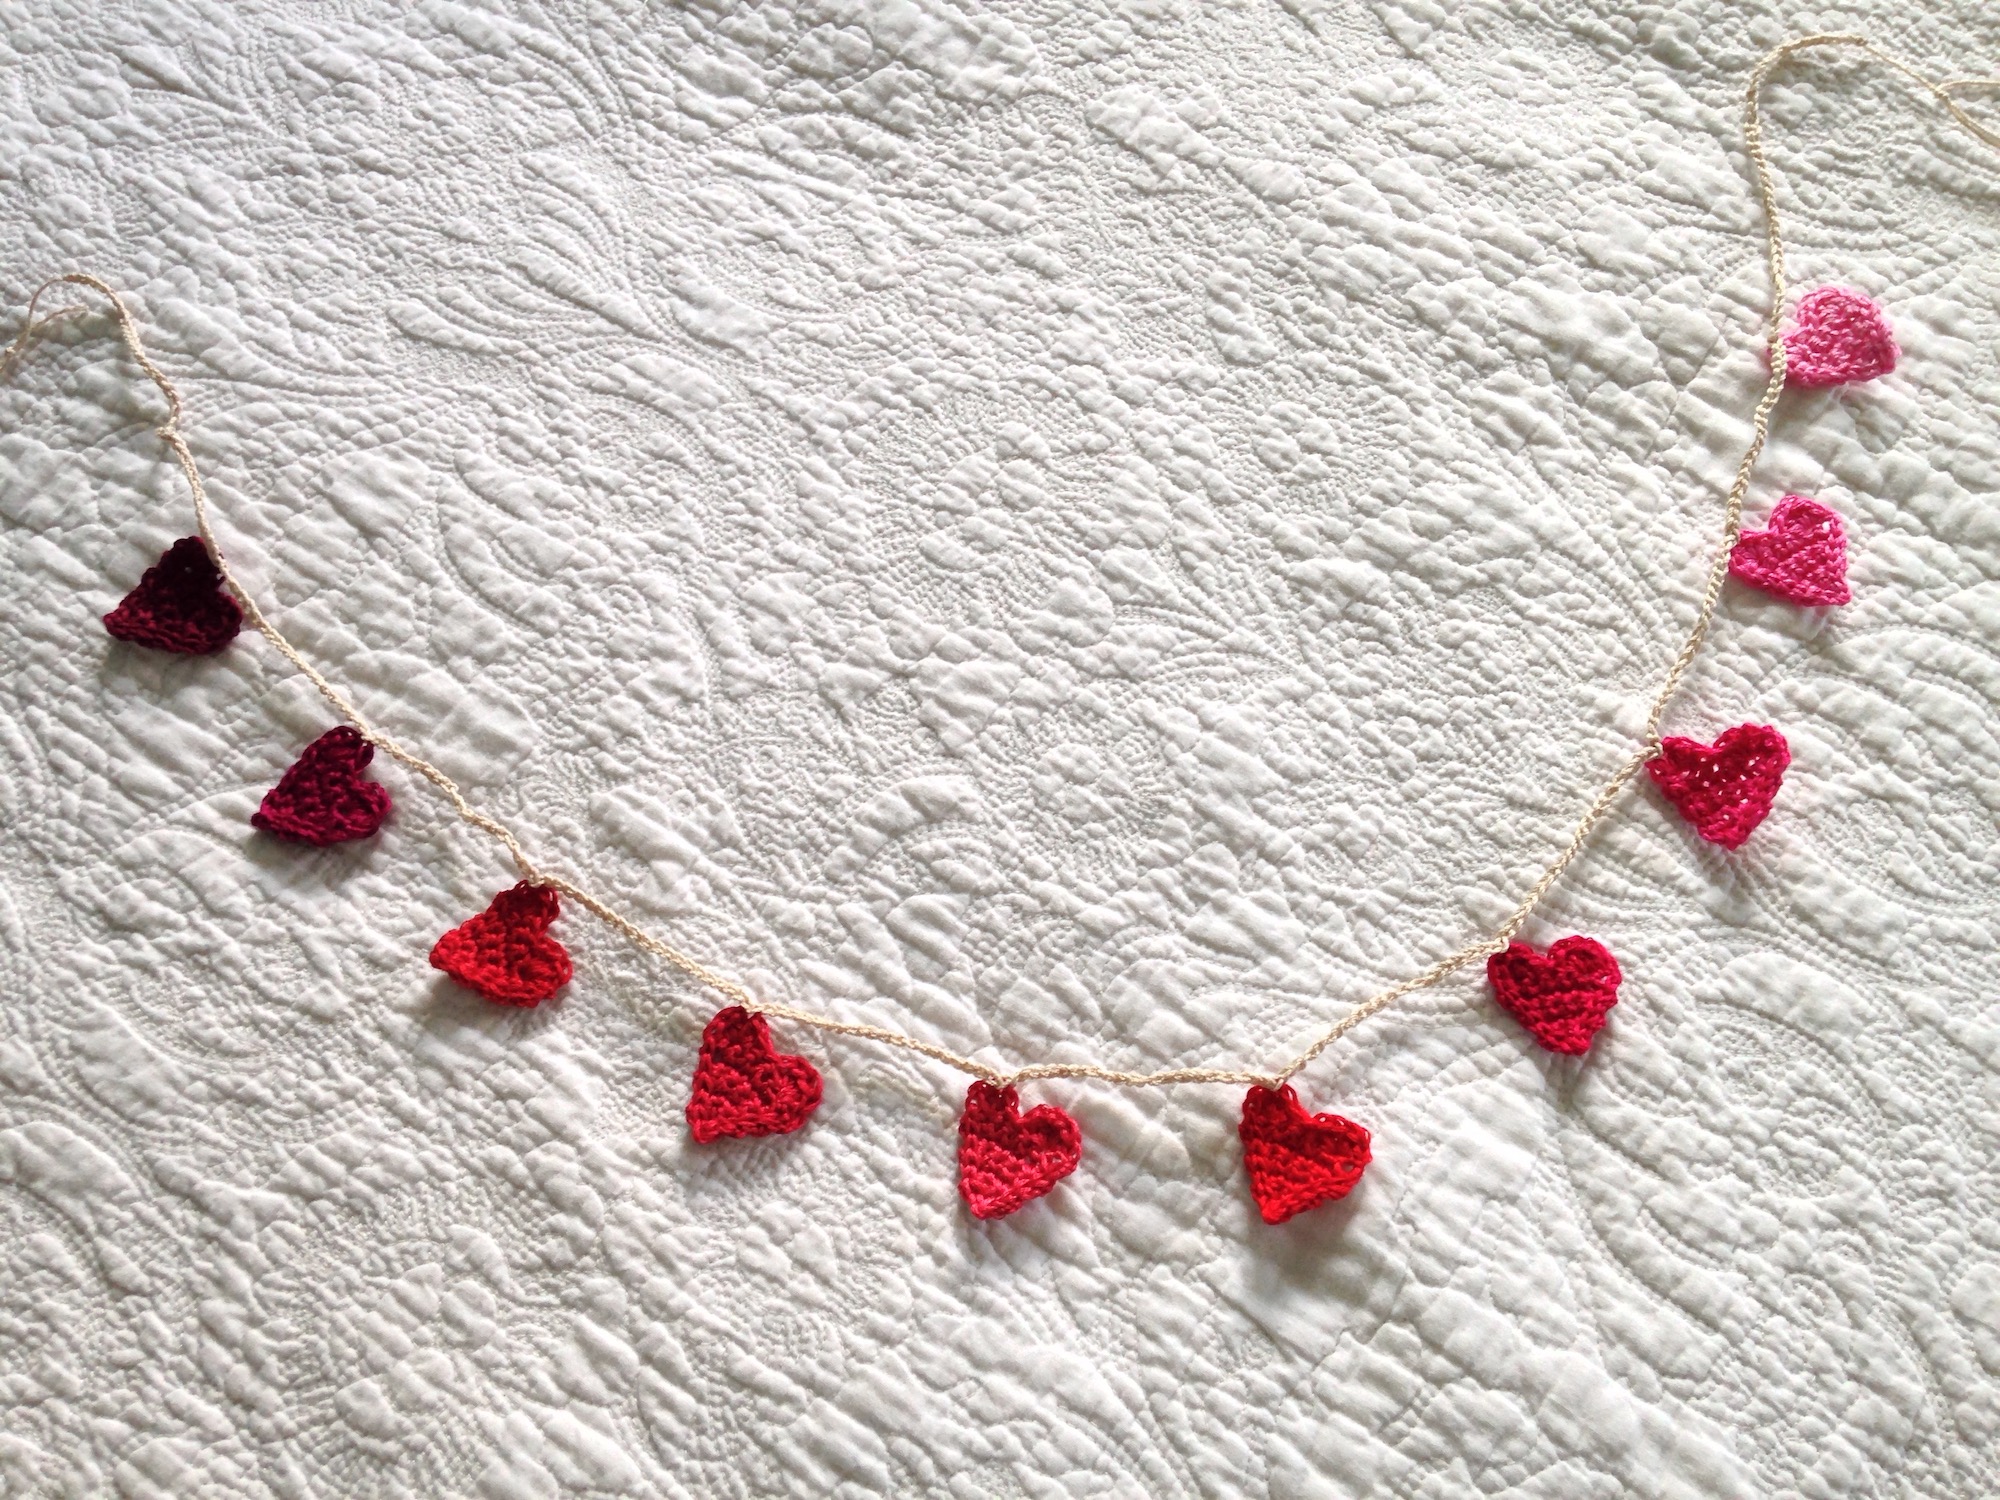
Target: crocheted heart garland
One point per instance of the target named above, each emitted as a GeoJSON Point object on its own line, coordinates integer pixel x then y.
{"type": "Point", "coordinates": [1561, 996]}
{"type": "Point", "coordinates": [322, 798]}
{"type": "Point", "coordinates": [180, 604]}
{"type": "Point", "coordinates": [190, 601]}
{"type": "Point", "coordinates": [743, 1086]}
{"type": "Point", "coordinates": [1838, 337]}
{"type": "Point", "coordinates": [1006, 1158]}
{"type": "Point", "coordinates": [1726, 789]}
{"type": "Point", "coordinates": [1801, 556]}
{"type": "Point", "coordinates": [505, 953]}
{"type": "Point", "coordinates": [1297, 1160]}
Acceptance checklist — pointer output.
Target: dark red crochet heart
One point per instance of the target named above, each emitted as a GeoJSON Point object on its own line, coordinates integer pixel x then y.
{"type": "Point", "coordinates": [505, 953]}
{"type": "Point", "coordinates": [1800, 557]}
{"type": "Point", "coordinates": [1561, 996]}
{"type": "Point", "coordinates": [179, 605]}
{"type": "Point", "coordinates": [1006, 1158]}
{"type": "Point", "coordinates": [1726, 789]}
{"type": "Point", "coordinates": [744, 1086]}
{"type": "Point", "coordinates": [322, 798]}
{"type": "Point", "coordinates": [1296, 1160]}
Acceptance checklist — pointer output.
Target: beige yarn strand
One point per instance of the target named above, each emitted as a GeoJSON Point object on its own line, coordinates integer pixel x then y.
{"type": "Point", "coordinates": [170, 433]}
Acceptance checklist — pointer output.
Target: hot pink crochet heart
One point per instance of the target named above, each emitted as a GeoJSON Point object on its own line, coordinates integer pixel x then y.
{"type": "Point", "coordinates": [743, 1086]}
{"type": "Point", "coordinates": [1297, 1160]}
{"type": "Point", "coordinates": [1006, 1158]}
{"type": "Point", "coordinates": [180, 605]}
{"type": "Point", "coordinates": [1561, 996]}
{"type": "Point", "coordinates": [322, 798]}
{"type": "Point", "coordinates": [1837, 337]}
{"type": "Point", "coordinates": [1801, 556]}
{"type": "Point", "coordinates": [1726, 789]}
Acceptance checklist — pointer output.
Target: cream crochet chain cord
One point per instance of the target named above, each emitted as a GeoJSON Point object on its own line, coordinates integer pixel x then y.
{"type": "Point", "coordinates": [170, 433]}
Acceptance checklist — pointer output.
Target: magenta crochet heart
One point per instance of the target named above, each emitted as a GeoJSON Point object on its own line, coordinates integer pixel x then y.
{"type": "Point", "coordinates": [1837, 337]}
{"type": "Point", "coordinates": [1726, 789]}
{"type": "Point", "coordinates": [1801, 556]}
{"type": "Point", "coordinates": [322, 798]}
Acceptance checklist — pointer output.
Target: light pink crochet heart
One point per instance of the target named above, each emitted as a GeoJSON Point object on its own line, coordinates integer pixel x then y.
{"type": "Point", "coordinates": [1800, 556]}
{"type": "Point", "coordinates": [1837, 337]}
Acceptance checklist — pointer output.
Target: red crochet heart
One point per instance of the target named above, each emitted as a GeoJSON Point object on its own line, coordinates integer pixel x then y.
{"type": "Point", "coordinates": [322, 798]}
{"type": "Point", "coordinates": [1725, 789]}
{"type": "Point", "coordinates": [1801, 556]}
{"type": "Point", "coordinates": [1297, 1161]}
{"type": "Point", "coordinates": [1006, 1158]}
{"type": "Point", "coordinates": [743, 1086]}
{"type": "Point", "coordinates": [505, 953]}
{"type": "Point", "coordinates": [1837, 336]}
{"type": "Point", "coordinates": [1561, 996]}
{"type": "Point", "coordinates": [179, 605]}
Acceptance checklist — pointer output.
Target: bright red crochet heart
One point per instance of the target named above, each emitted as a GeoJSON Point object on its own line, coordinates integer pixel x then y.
{"type": "Point", "coordinates": [322, 798]}
{"type": "Point", "coordinates": [744, 1086]}
{"type": "Point", "coordinates": [1726, 789]}
{"type": "Point", "coordinates": [1006, 1158]}
{"type": "Point", "coordinates": [179, 605]}
{"type": "Point", "coordinates": [1561, 996]}
{"type": "Point", "coordinates": [1297, 1160]}
{"type": "Point", "coordinates": [1801, 556]}
{"type": "Point", "coordinates": [1837, 336]}
{"type": "Point", "coordinates": [505, 953]}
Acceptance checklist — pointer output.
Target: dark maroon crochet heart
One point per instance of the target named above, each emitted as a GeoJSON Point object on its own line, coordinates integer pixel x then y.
{"type": "Point", "coordinates": [743, 1086]}
{"type": "Point", "coordinates": [179, 605]}
{"type": "Point", "coordinates": [322, 798]}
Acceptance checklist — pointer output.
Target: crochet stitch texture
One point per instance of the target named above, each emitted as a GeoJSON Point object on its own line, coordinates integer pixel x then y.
{"type": "Point", "coordinates": [1006, 1158]}
{"type": "Point", "coordinates": [1801, 556]}
{"type": "Point", "coordinates": [505, 953]}
{"type": "Point", "coordinates": [1297, 1160]}
{"type": "Point", "coordinates": [1561, 996]}
{"type": "Point", "coordinates": [322, 798]}
{"type": "Point", "coordinates": [743, 1086]}
{"type": "Point", "coordinates": [1838, 336]}
{"type": "Point", "coordinates": [1726, 789]}
{"type": "Point", "coordinates": [179, 605]}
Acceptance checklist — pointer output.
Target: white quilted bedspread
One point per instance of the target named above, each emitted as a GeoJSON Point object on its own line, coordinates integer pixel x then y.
{"type": "Point", "coordinates": [1101, 531]}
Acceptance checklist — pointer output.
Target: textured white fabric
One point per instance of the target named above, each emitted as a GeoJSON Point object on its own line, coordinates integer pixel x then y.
{"type": "Point", "coordinates": [1078, 530]}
